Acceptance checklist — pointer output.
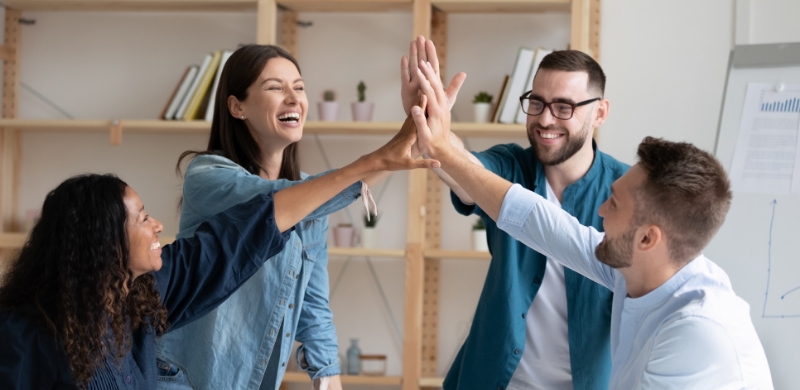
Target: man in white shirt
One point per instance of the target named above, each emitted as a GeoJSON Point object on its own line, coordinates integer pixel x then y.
{"type": "Point", "coordinates": [676, 322]}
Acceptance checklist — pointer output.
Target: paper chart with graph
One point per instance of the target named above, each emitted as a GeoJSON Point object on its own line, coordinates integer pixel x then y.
{"type": "Point", "coordinates": [765, 159]}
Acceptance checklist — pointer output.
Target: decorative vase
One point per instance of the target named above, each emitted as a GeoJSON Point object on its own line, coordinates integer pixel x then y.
{"type": "Point", "coordinates": [368, 237]}
{"type": "Point", "coordinates": [353, 358]}
{"type": "Point", "coordinates": [479, 242]}
{"type": "Point", "coordinates": [482, 112]}
{"type": "Point", "coordinates": [362, 111]}
{"type": "Point", "coordinates": [328, 111]}
{"type": "Point", "coordinates": [343, 236]}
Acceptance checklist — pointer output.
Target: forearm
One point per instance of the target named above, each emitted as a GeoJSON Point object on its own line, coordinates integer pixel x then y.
{"type": "Point", "coordinates": [294, 203]}
{"type": "Point", "coordinates": [483, 187]}
{"type": "Point", "coordinates": [448, 180]}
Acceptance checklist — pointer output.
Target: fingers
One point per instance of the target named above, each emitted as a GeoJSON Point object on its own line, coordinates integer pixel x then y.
{"type": "Point", "coordinates": [423, 131]}
{"type": "Point", "coordinates": [454, 87]}
{"type": "Point", "coordinates": [413, 59]}
{"type": "Point", "coordinates": [420, 47]}
{"type": "Point", "coordinates": [425, 163]}
{"type": "Point", "coordinates": [436, 91]}
{"type": "Point", "coordinates": [405, 76]}
{"type": "Point", "coordinates": [430, 52]}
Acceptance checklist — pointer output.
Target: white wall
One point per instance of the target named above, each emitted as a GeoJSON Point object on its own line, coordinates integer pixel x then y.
{"type": "Point", "coordinates": [665, 63]}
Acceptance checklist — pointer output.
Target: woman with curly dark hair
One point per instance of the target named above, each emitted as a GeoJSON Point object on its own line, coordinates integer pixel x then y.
{"type": "Point", "coordinates": [92, 288]}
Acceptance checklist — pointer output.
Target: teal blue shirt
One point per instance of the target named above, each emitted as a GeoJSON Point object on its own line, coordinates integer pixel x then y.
{"type": "Point", "coordinates": [494, 346]}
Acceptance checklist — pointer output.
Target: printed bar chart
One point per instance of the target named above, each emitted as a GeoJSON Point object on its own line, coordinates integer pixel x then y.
{"type": "Point", "coordinates": [788, 105]}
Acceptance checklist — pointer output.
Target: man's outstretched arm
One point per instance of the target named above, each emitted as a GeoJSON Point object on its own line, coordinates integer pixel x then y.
{"type": "Point", "coordinates": [523, 214]}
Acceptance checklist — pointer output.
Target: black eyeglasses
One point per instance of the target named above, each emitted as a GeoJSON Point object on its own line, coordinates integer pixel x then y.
{"type": "Point", "coordinates": [534, 106]}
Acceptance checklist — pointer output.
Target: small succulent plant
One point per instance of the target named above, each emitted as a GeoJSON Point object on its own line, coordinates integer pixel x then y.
{"type": "Point", "coordinates": [329, 96]}
{"type": "Point", "coordinates": [482, 97]}
{"type": "Point", "coordinates": [361, 88]}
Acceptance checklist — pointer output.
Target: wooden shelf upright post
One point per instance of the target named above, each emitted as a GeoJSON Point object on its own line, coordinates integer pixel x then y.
{"type": "Point", "coordinates": [10, 145]}
{"type": "Point", "coordinates": [266, 22]}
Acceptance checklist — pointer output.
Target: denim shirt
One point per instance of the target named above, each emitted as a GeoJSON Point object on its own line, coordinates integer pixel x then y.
{"type": "Point", "coordinates": [230, 347]}
{"type": "Point", "coordinates": [494, 346]}
{"type": "Point", "coordinates": [197, 274]}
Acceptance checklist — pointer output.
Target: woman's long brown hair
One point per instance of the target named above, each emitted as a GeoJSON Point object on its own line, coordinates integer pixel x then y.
{"type": "Point", "coordinates": [230, 136]}
{"type": "Point", "coordinates": [72, 275]}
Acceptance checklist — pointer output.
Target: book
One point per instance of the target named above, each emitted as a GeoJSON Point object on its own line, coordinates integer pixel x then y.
{"type": "Point", "coordinates": [537, 59]}
{"type": "Point", "coordinates": [188, 78]}
{"type": "Point", "coordinates": [202, 88]}
{"type": "Point", "coordinates": [495, 111]}
{"type": "Point", "coordinates": [522, 66]}
{"type": "Point", "coordinates": [172, 95]}
{"type": "Point", "coordinates": [193, 87]}
{"type": "Point", "coordinates": [212, 99]}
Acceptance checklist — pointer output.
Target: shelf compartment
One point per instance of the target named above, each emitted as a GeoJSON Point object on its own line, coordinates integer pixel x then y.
{"type": "Point", "coordinates": [502, 6]}
{"type": "Point", "coordinates": [431, 382]}
{"type": "Point", "coordinates": [451, 254]}
{"type": "Point", "coordinates": [302, 377]}
{"type": "Point", "coordinates": [366, 252]}
{"type": "Point", "coordinates": [131, 5]}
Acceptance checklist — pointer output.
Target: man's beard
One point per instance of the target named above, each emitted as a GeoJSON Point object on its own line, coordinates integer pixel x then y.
{"type": "Point", "coordinates": [616, 252]}
{"type": "Point", "coordinates": [558, 156]}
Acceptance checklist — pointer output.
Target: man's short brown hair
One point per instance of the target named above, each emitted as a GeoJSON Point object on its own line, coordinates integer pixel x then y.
{"type": "Point", "coordinates": [577, 61]}
{"type": "Point", "coordinates": [686, 193]}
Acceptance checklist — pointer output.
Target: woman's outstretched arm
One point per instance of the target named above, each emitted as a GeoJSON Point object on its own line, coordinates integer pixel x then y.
{"type": "Point", "coordinates": [294, 203]}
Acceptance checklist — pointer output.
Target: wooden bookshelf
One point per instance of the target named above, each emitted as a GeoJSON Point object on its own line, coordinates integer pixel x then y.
{"type": "Point", "coordinates": [421, 253]}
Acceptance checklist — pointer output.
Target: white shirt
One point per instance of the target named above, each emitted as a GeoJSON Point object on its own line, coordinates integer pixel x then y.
{"type": "Point", "coordinates": [692, 332]}
{"type": "Point", "coordinates": [545, 360]}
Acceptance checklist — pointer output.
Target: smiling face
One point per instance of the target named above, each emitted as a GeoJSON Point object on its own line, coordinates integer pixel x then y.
{"type": "Point", "coordinates": [276, 105]}
{"type": "Point", "coordinates": [142, 229]}
{"type": "Point", "coordinates": [556, 140]}
{"type": "Point", "coordinates": [618, 213]}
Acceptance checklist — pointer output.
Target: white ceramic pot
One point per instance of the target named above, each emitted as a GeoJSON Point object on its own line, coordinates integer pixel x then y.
{"type": "Point", "coordinates": [479, 242]}
{"type": "Point", "coordinates": [482, 112]}
{"type": "Point", "coordinates": [343, 236]}
{"type": "Point", "coordinates": [328, 111]}
{"type": "Point", "coordinates": [369, 237]}
{"type": "Point", "coordinates": [362, 111]}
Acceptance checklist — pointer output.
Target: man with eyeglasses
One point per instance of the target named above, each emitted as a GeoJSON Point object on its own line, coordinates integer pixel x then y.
{"type": "Point", "coordinates": [537, 324]}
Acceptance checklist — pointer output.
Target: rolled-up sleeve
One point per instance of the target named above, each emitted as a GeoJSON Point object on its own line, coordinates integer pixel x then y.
{"type": "Point", "coordinates": [551, 231]}
{"type": "Point", "coordinates": [213, 182]}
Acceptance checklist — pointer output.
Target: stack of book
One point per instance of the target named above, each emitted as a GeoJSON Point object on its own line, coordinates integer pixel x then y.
{"type": "Point", "coordinates": [193, 97]}
{"type": "Point", "coordinates": [508, 109]}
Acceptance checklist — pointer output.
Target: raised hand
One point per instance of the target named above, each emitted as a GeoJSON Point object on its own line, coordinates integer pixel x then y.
{"type": "Point", "coordinates": [433, 132]}
{"type": "Point", "coordinates": [423, 50]}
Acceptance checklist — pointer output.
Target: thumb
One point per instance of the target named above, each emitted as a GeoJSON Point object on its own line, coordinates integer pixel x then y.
{"type": "Point", "coordinates": [426, 163]}
{"type": "Point", "coordinates": [455, 86]}
{"type": "Point", "coordinates": [423, 131]}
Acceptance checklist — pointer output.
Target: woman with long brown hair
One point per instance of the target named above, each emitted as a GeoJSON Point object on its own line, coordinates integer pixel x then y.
{"type": "Point", "coordinates": [92, 287]}
{"type": "Point", "coordinates": [261, 107]}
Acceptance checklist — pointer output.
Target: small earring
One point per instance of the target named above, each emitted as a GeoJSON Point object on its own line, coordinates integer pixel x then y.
{"type": "Point", "coordinates": [242, 117]}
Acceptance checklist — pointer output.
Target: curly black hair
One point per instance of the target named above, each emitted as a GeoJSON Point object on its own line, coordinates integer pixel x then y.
{"type": "Point", "coordinates": [72, 275]}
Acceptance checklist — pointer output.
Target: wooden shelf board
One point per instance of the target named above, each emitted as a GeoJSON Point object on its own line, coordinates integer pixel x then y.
{"type": "Point", "coordinates": [346, 5]}
{"type": "Point", "coordinates": [366, 252]}
{"type": "Point", "coordinates": [203, 127]}
{"type": "Point", "coordinates": [302, 377]}
{"type": "Point", "coordinates": [131, 5]}
{"type": "Point", "coordinates": [502, 6]}
{"type": "Point", "coordinates": [431, 382]}
{"type": "Point", "coordinates": [448, 254]}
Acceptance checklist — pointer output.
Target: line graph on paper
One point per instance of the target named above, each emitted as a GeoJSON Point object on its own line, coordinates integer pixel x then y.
{"type": "Point", "coordinates": [782, 298]}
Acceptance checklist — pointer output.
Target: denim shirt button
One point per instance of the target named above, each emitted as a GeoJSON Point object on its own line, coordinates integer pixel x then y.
{"type": "Point", "coordinates": [291, 305]}
{"type": "Point", "coordinates": [288, 334]}
{"type": "Point", "coordinates": [516, 352]}
{"type": "Point", "coordinates": [536, 280]}
{"type": "Point", "coordinates": [128, 379]}
{"type": "Point", "coordinates": [523, 315]}
{"type": "Point", "coordinates": [283, 364]}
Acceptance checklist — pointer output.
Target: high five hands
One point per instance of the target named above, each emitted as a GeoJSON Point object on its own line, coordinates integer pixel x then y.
{"type": "Point", "coordinates": [422, 50]}
{"type": "Point", "coordinates": [433, 131]}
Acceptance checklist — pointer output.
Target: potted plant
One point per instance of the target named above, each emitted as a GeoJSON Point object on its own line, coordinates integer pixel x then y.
{"type": "Point", "coordinates": [479, 242]}
{"type": "Point", "coordinates": [482, 105]}
{"type": "Point", "coordinates": [362, 109]}
{"type": "Point", "coordinates": [343, 235]}
{"type": "Point", "coordinates": [328, 107]}
{"type": "Point", "coordinates": [368, 236]}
